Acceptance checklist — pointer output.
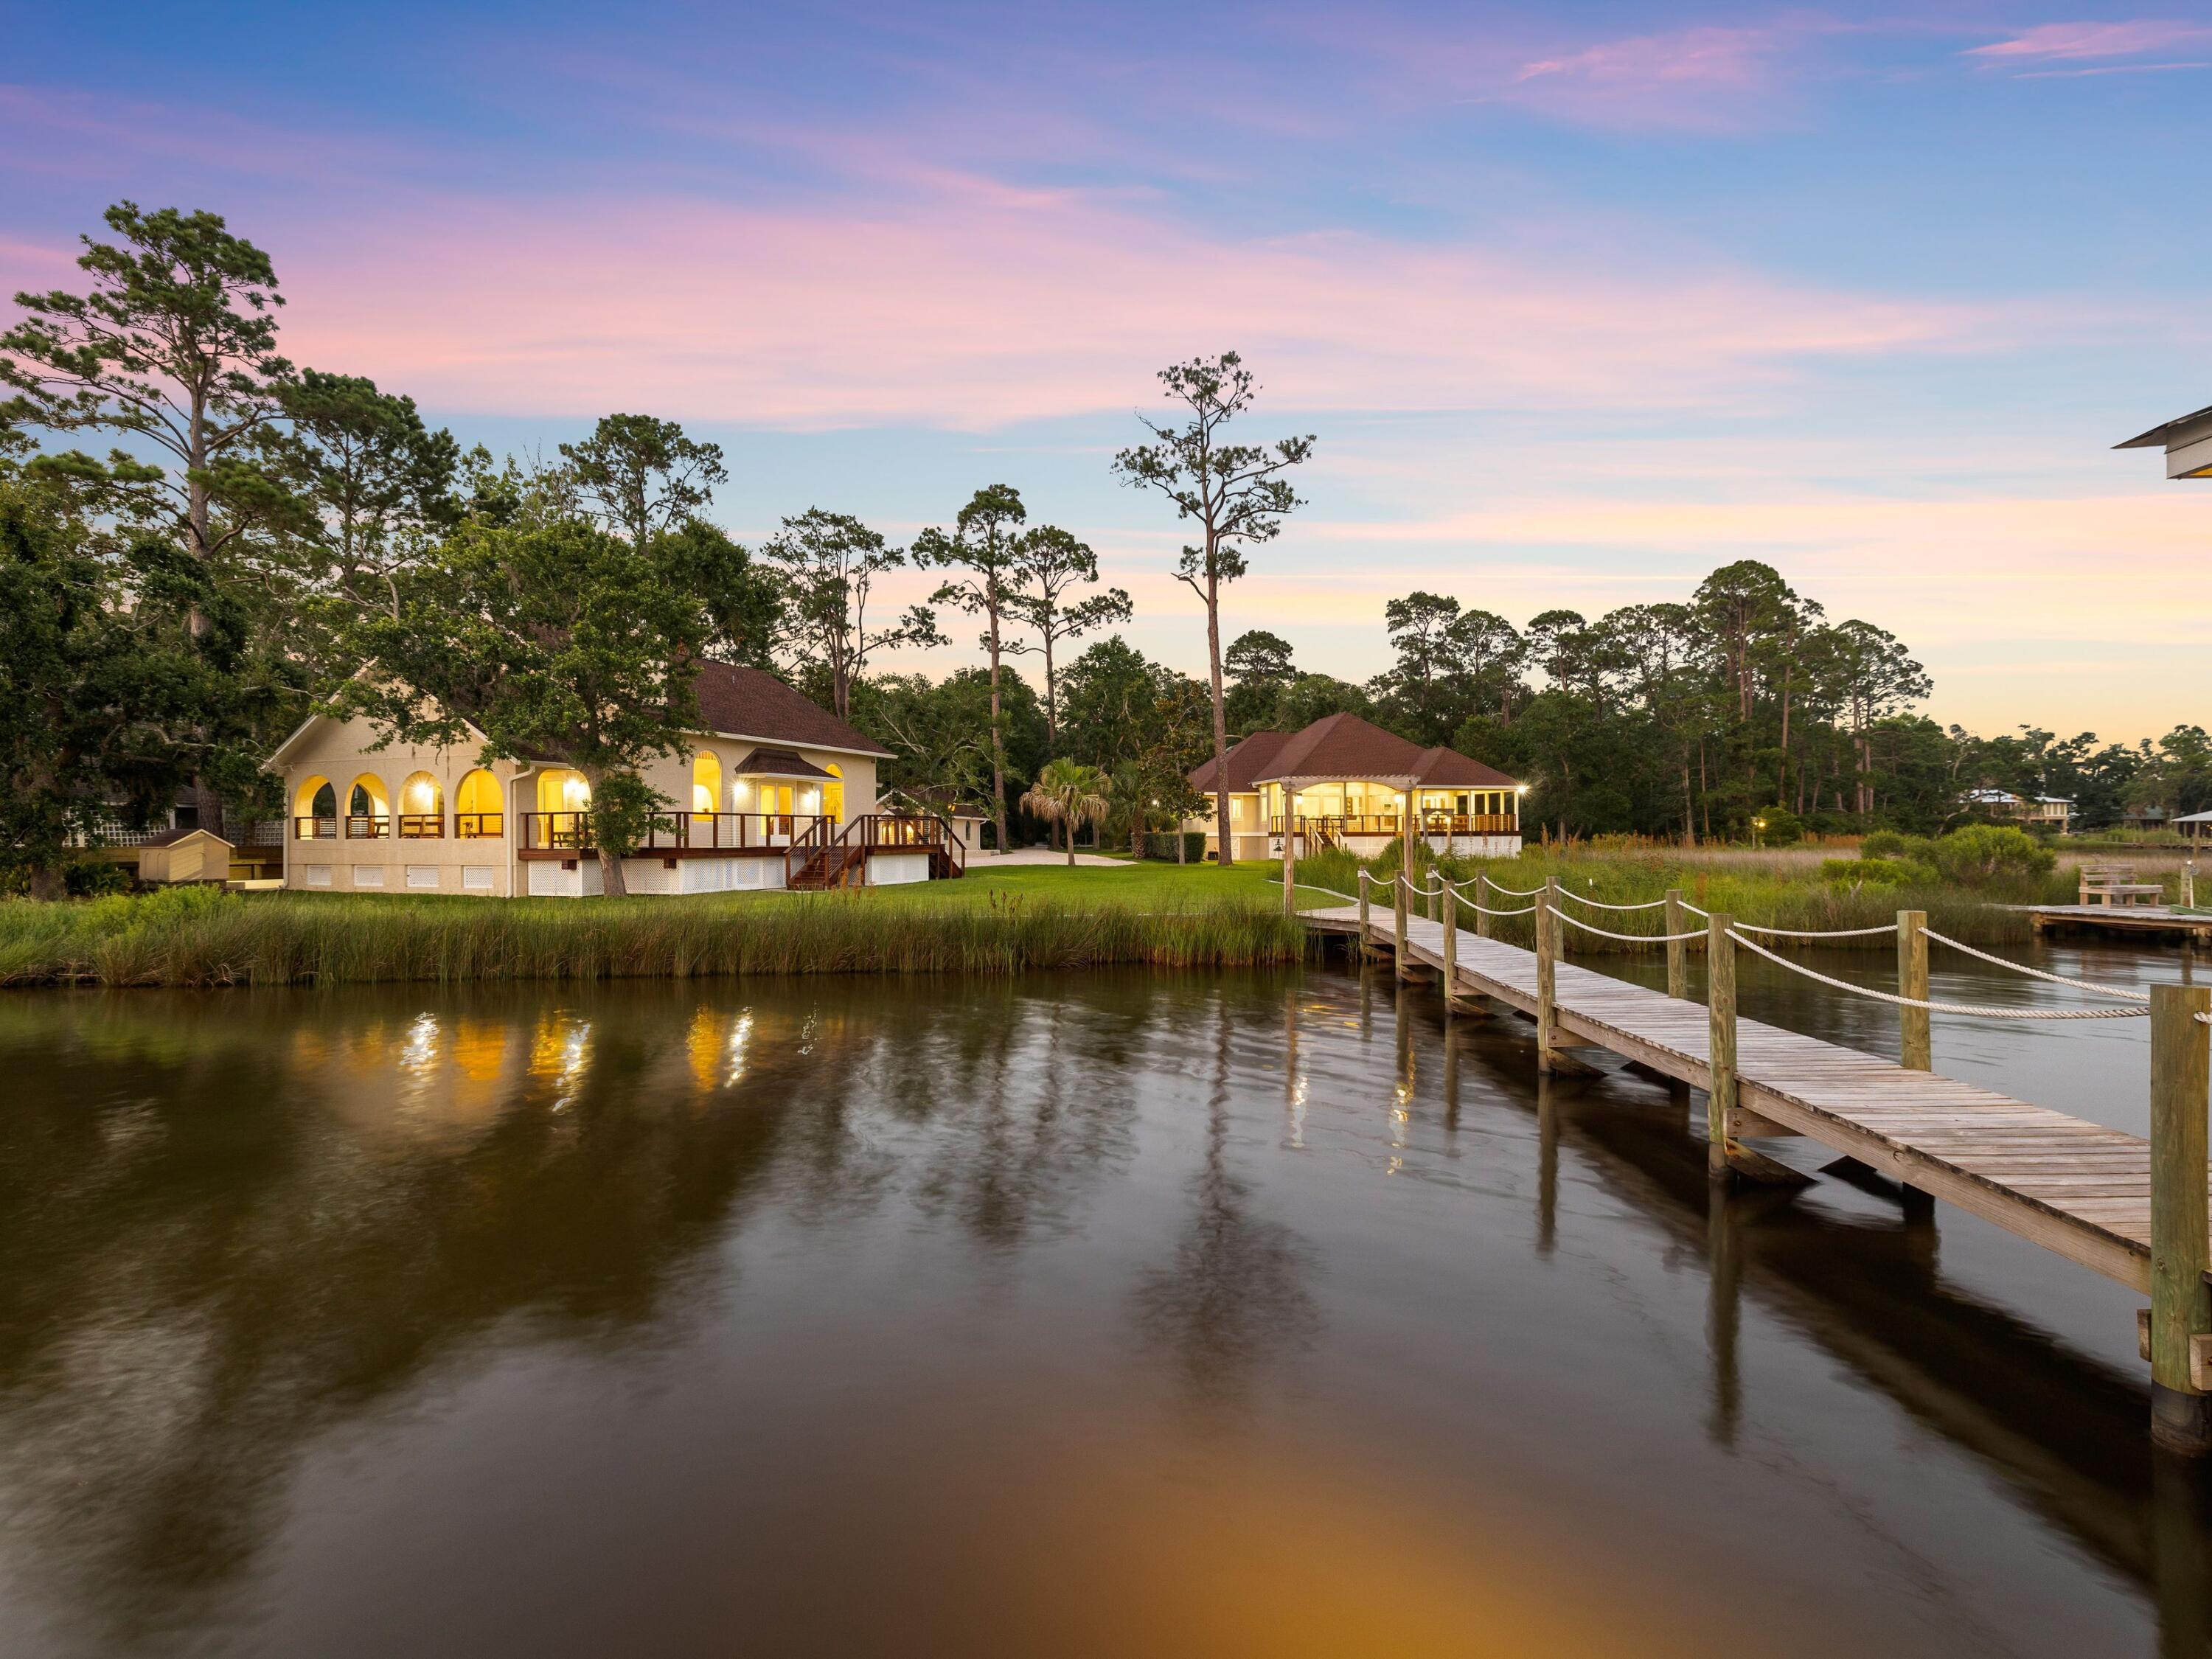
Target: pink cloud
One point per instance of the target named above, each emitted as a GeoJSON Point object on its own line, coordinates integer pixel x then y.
{"type": "Point", "coordinates": [1707, 78]}
{"type": "Point", "coordinates": [970, 308]}
{"type": "Point", "coordinates": [2067, 42]}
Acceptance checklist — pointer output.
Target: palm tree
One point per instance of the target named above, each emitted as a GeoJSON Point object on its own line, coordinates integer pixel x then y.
{"type": "Point", "coordinates": [1068, 792]}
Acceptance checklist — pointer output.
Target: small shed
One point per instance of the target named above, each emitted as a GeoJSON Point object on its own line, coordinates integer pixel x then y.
{"type": "Point", "coordinates": [177, 856]}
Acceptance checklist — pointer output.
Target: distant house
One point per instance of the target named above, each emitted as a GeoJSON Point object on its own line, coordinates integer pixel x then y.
{"type": "Point", "coordinates": [1347, 782]}
{"type": "Point", "coordinates": [779, 793]}
{"type": "Point", "coordinates": [2054, 812]}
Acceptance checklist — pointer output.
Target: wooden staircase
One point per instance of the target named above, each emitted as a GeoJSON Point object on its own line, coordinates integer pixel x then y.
{"type": "Point", "coordinates": [841, 860]}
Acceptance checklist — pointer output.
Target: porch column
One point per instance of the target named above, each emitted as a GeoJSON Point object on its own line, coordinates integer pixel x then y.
{"type": "Point", "coordinates": [1290, 857]}
{"type": "Point", "coordinates": [1406, 832]}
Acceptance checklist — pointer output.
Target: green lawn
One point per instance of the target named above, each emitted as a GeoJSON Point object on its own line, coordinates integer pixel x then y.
{"type": "Point", "coordinates": [1150, 886]}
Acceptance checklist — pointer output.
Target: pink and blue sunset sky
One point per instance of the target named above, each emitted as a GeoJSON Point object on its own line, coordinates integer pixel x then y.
{"type": "Point", "coordinates": [1581, 302]}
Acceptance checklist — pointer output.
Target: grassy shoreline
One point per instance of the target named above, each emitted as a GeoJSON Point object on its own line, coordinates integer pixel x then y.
{"type": "Point", "coordinates": [202, 938]}
{"type": "Point", "coordinates": [994, 921]}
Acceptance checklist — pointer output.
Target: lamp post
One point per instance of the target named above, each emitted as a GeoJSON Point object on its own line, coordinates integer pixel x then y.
{"type": "Point", "coordinates": [1757, 826]}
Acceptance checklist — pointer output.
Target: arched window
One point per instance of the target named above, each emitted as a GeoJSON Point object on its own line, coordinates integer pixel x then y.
{"type": "Point", "coordinates": [315, 811]}
{"type": "Point", "coordinates": [422, 807]}
{"type": "Point", "coordinates": [706, 783]}
{"type": "Point", "coordinates": [833, 792]}
{"type": "Point", "coordinates": [478, 813]}
{"type": "Point", "coordinates": [368, 809]}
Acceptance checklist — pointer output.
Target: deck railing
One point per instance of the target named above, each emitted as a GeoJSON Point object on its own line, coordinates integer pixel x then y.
{"type": "Point", "coordinates": [571, 832]}
{"type": "Point", "coordinates": [374, 827]}
{"type": "Point", "coordinates": [1387, 823]}
{"type": "Point", "coordinates": [421, 826]}
{"type": "Point", "coordinates": [479, 826]}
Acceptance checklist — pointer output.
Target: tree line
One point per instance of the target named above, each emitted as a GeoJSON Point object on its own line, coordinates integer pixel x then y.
{"type": "Point", "coordinates": [212, 543]}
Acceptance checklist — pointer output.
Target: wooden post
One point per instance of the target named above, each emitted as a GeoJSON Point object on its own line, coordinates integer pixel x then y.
{"type": "Point", "coordinates": [1678, 949]}
{"type": "Point", "coordinates": [1450, 902]}
{"type": "Point", "coordinates": [1481, 892]}
{"type": "Point", "coordinates": [1559, 928]}
{"type": "Point", "coordinates": [1917, 1053]}
{"type": "Point", "coordinates": [1290, 858]}
{"type": "Point", "coordinates": [2180, 1308]}
{"type": "Point", "coordinates": [1363, 945]}
{"type": "Point", "coordinates": [1399, 898]}
{"type": "Point", "coordinates": [1547, 1018]}
{"type": "Point", "coordinates": [1720, 1004]}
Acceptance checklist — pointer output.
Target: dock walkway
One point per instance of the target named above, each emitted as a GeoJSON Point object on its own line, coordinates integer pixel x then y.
{"type": "Point", "coordinates": [2074, 1187]}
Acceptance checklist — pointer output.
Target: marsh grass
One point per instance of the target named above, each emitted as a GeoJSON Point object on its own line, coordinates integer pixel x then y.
{"type": "Point", "coordinates": [203, 938]}
{"type": "Point", "coordinates": [1777, 890]}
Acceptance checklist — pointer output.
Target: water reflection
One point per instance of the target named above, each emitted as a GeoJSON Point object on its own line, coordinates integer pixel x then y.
{"type": "Point", "coordinates": [855, 1257]}
{"type": "Point", "coordinates": [1232, 1300]}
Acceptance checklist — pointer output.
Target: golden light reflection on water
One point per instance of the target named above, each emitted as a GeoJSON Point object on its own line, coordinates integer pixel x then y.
{"type": "Point", "coordinates": [1247, 1556]}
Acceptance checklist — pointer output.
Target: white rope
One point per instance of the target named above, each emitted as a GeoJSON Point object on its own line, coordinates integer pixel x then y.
{"type": "Point", "coordinates": [1525, 910]}
{"type": "Point", "coordinates": [1633, 939]}
{"type": "Point", "coordinates": [1601, 905]}
{"type": "Point", "coordinates": [2037, 972]}
{"type": "Point", "coordinates": [1510, 892]}
{"type": "Point", "coordinates": [1838, 932]}
{"type": "Point", "coordinates": [1939, 1008]}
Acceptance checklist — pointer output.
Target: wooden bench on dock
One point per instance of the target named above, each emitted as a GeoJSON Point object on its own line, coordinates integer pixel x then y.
{"type": "Point", "coordinates": [2116, 883]}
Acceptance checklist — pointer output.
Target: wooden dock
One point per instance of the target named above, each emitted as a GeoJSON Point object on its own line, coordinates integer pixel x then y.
{"type": "Point", "coordinates": [2124, 920]}
{"type": "Point", "coordinates": [2077, 1189]}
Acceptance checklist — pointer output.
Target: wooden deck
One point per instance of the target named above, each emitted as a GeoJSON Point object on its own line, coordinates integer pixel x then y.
{"type": "Point", "coordinates": [2074, 1187]}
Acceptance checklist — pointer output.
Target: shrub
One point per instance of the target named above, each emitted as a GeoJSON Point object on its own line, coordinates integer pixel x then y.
{"type": "Point", "coordinates": [1781, 827]}
{"type": "Point", "coordinates": [1981, 854]}
{"type": "Point", "coordinates": [1877, 872]}
{"type": "Point", "coordinates": [1883, 844]}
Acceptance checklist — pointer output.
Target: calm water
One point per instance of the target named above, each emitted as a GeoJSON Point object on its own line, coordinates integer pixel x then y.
{"type": "Point", "coordinates": [1119, 1314]}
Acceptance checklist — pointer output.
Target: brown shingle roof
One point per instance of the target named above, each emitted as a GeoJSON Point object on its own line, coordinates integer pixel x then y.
{"type": "Point", "coordinates": [1346, 746]}
{"type": "Point", "coordinates": [748, 702]}
{"type": "Point", "coordinates": [1245, 759]}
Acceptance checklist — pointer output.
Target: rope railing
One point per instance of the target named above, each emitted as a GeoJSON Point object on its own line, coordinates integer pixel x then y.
{"type": "Point", "coordinates": [1599, 904]}
{"type": "Point", "coordinates": [1833, 932]}
{"type": "Point", "coordinates": [2037, 972]}
{"type": "Point", "coordinates": [1510, 892]}
{"type": "Point", "coordinates": [2131, 1012]}
{"type": "Point", "coordinates": [1633, 938]}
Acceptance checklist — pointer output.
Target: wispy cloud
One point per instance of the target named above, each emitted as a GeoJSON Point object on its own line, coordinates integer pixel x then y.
{"type": "Point", "coordinates": [2075, 42]}
{"type": "Point", "coordinates": [971, 309]}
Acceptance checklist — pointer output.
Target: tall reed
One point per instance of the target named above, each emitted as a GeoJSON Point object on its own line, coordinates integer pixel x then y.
{"type": "Point", "coordinates": [207, 939]}
{"type": "Point", "coordinates": [1778, 892]}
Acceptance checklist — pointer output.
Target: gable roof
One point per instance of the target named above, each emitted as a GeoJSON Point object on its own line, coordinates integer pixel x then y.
{"type": "Point", "coordinates": [750, 702]}
{"type": "Point", "coordinates": [1344, 746]}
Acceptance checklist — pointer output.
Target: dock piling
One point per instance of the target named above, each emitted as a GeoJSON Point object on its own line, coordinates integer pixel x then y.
{"type": "Point", "coordinates": [1399, 885]}
{"type": "Point", "coordinates": [1916, 1052]}
{"type": "Point", "coordinates": [1481, 892]}
{"type": "Point", "coordinates": [1678, 949]}
{"type": "Point", "coordinates": [1720, 1003]}
{"type": "Point", "coordinates": [1547, 1015]}
{"type": "Point", "coordinates": [1449, 901]}
{"type": "Point", "coordinates": [2180, 1304]}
